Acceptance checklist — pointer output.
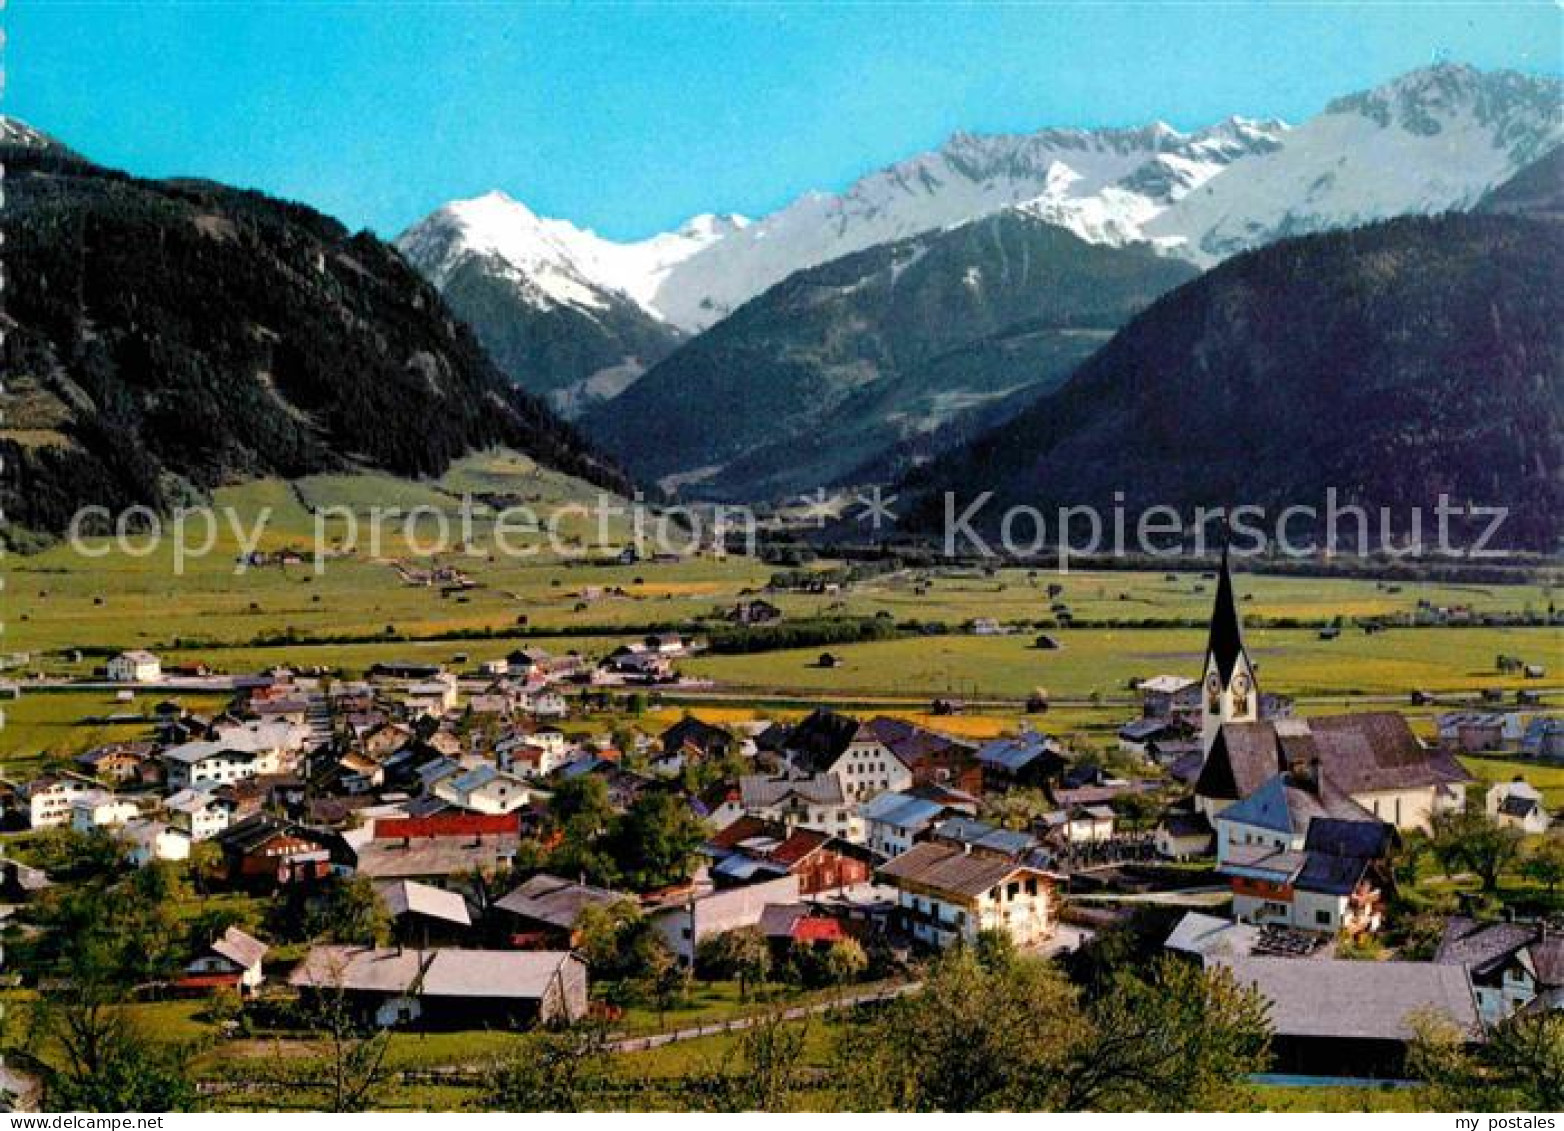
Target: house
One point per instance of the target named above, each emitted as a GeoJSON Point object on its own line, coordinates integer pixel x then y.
{"type": "Point", "coordinates": [1149, 734]}
{"type": "Point", "coordinates": [1543, 738]}
{"type": "Point", "coordinates": [135, 666]}
{"type": "Point", "coordinates": [233, 960]}
{"type": "Point", "coordinates": [100, 809]}
{"type": "Point", "coordinates": [1511, 964]}
{"type": "Point", "coordinates": [1517, 804]}
{"type": "Point", "coordinates": [816, 802]}
{"type": "Point", "coordinates": [117, 762]}
{"type": "Point", "coordinates": [893, 822]}
{"type": "Point", "coordinates": [1080, 824]}
{"type": "Point", "coordinates": [484, 789]}
{"type": "Point", "coordinates": [1478, 732]}
{"type": "Point", "coordinates": [1278, 813]}
{"type": "Point", "coordinates": [752, 847]}
{"type": "Point", "coordinates": [1028, 759]}
{"type": "Point", "coordinates": [239, 751]}
{"type": "Point", "coordinates": [49, 798]}
{"type": "Point", "coordinates": [1162, 696]}
{"type": "Point", "coordinates": [1342, 1018]}
{"type": "Point", "coordinates": [423, 915]}
{"type": "Point", "coordinates": [449, 850]}
{"type": "Point", "coordinates": [264, 852]}
{"type": "Point", "coordinates": [788, 926]}
{"type": "Point", "coordinates": [684, 919]}
{"type": "Point", "coordinates": [200, 813]}
{"type": "Point", "coordinates": [1184, 835]}
{"type": "Point", "coordinates": [935, 759]}
{"type": "Point", "coordinates": [839, 745]}
{"type": "Point", "coordinates": [444, 988]}
{"type": "Point", "coordinates": [719, 804]}
{"type": "Point", "coordinates": [698, 740]}
{"type": "Point", "coordinates": [1333, 883]}
{"type": "Point", "coordinates": [946, 894]}
{"type": "Point", "coordinates": [146, 841]}
{"type": "Point", "coordinates": [545, 912]}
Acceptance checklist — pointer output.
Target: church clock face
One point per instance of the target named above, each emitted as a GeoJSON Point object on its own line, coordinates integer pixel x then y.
{"type": "Point", "coordinates": [1214, 690]}
{"type": "Point", "coordinates": [1241, 694]}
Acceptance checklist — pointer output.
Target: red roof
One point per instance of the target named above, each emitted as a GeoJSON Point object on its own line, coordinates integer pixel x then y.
{"type": "Point", "coordinates": [448, 824]}
{"type": "Point", "coordinates": [206, 981]}
{"type": "Point", "coordinates": [814, 930]}
{"type": "Point", "coordinates": [791, 847]}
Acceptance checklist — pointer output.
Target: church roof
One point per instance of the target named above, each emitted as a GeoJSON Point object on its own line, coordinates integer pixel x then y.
{"type": "Point", "coordinates": [1357, 753]}
{"type": "Point", "coordinates": [1225, 643]}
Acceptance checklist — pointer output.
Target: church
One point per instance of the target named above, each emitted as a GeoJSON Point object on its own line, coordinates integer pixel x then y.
{"type": "Point", "coordinates": [1369, 762]}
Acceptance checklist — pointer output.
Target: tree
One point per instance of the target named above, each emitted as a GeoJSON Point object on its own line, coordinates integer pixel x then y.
{"type": "Point", "coordinates": [348, 910]}
{"type": "Point", "coordinates": [1183, 1038]}
{"type": "Point", "coordinates": [346, 1069]}
{"type": "Point", "coordinates": [764, 1071]}
{"type": "Point", "coordinates": [1470, 839]}
{"type": "Point", "coordinates": [1545, 864]}
{"type": "Point", "coordinates": [843, 961]}
{"type": "Point", "coordinates": [743, 954]}
{"type": "Point", "coordinates": [1519, 1068]}
{"type": "Point", "coordinates": [554, 1071]}
{"type": "Point", "coordinates": [656, 843]}
{"type": "Point", "coordinates": [92, 1058]}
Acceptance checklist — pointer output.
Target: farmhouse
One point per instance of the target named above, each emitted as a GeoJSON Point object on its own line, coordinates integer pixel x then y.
{"type": "Point", "coordinates": [1028, 759]}
{"type": "Point", "coordinates": [946, 895]}
{"type": "Point", "coordinates": [893, 822]}
{"type": "Point", "coordinates": [49, 798]}
{"type": "Point", "coordinates": [1511, 964]}
{"type": "Point", "coordinates": [1334, 882]}
{"type": "Point", "coordinates": [816, 802]}
{"type": "Point", "coordinates": [449, 989]}
{"type": "Point", "coordinates": [1353, 1019]}
{"type": "Point", "coordinates": [135, 667]}
{"type": "Point", "coordinates": [239, 751]}
{"type": "Point", "coordinates": [841, 746]}
{"type": "Point", "coordinates": [546, 910]}
{"type": "Point", "coordinates": [233, 959]}
{"type": "Point", "coordinates": [683, 919]}
{"type": "Point", "coordinates": [752, 848]}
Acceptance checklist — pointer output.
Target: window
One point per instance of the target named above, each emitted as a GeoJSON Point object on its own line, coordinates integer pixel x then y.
{"type": "Point", "coordinates": [1322, 917]}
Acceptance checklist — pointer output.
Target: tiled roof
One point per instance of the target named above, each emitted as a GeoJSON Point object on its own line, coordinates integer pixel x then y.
{"type": "Point", "coordinates": [556, 901]}
{"type": "Point", "coordinates": [523, 974]}
{"type": "Point", "coordinates": [946, 869]}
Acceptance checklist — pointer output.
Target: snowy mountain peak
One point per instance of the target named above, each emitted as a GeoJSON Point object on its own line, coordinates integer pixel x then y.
{"type": "Point", "coordinates": [1434, 140]}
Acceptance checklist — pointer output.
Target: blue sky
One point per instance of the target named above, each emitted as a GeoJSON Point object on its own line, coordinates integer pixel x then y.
{"type": "Point", "coordinates": [630, 117]}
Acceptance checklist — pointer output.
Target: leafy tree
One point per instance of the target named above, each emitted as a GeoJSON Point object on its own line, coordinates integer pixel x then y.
{"type": "Point", "coordinates": [346, 1070]}
{"type": "Point", "coordinates": [1519, 1068]}
{"type": "Point", "coordinates": [1545, 864]}
{"type": "Point", "coordinates": [1470, 839]}
{"type": "Point", "coordinates": [346, 910]}
{"type": "Point", "coordinates": [743, 954]}
{"type": "Point", "coordinates": [657, 842]}
{"type": "Point", "coordinates": [843, 961]}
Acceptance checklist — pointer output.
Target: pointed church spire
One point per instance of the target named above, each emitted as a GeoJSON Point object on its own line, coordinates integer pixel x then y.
{"type": "Point", "coordinates": [1225, 644]}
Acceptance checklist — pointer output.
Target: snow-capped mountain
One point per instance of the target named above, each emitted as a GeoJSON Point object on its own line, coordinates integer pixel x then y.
{"type": "Point", "coordinates": [1434, 140]}
{"type": "Point", "coordinates": [562, 310]}
{"type": "Point", "coordinates": [1101, 184]}
{"type": "Point", "coordinates": [564, 264]}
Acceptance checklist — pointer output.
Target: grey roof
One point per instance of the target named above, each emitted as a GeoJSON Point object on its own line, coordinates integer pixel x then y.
{"type": "Point", "coordinates": [433, 856]}
{"type": "Point", "coordinates": [1363, 1000]}
{"type": "Point", "coordinates": [980, 834]}
{"type": "Point", "coordinates": [1210, 936]}
{"type": "Point", "coordinates": [555, 901]}
{"type": "Point", "coordinates": [757, 790]}
{"type": "Point", "coordinates": [1484, 947]}
{"type": "Point", "coordinates": [445, 972]}
{"type": "Point", "coordinates": [900, 810]}
{"type": "Point", "coordinates": [1281, 806]}
{"type": "Point", "coordinates": [239, 948]}
{"type": "Point", "coordinates": [408, 897]}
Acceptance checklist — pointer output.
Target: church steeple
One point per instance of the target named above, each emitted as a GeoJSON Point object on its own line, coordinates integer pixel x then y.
{"type": "Point", "coordinates": [1230, 693]}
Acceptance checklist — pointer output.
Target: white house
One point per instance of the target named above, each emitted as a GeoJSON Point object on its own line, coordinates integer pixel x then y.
{"type": "Point", "coordinates": [947, 895]}
{"type": "Point", "coordinates": [100, 809]}
{"type": "Point", "coordinates": [1517, 804]}
{"type": "Point", "coordinates": [484, 789]}
{"type": "Point", "coordinates": [685, 920]}
{"type": "Point", "coordinates": [135, 667]}
{"type": "Point", "coordinates": [238, 752]}
{"type": "Point", "coordinates": [828, 743]}
{"type": "Point", "coordinates": [816, 802]}
{"type": "Point", "coordinates": [49, 798]}
{"type": "Point", "coordinates": [232, 958]}
{"type": "Point", "coordinates": [198, 813]}
{"type": "Point", "coordinates": [146, 841]}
